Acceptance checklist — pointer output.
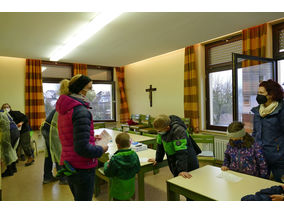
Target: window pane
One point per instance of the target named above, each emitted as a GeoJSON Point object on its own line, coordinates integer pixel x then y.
{"type": "Point", "coordinates": [248, 80]}
{"type": "Point", "coordinates": [281, 41]}
{"type": "Point", "coordinates": [97, 74]}
{"type": "Point", "coordinates": [220, 84]}
{"type": "Point", "coordinates": [281, 72]}
{"type": "Point", "coordinates": [50, 93]}
{"type": "Point", "coordinates": [49, 71]}
{"type": "Point", "coordinates": [102, 106]}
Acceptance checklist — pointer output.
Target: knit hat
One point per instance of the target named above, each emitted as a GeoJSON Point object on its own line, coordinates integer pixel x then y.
{"type": "Point", "coordinates": [79, 84]}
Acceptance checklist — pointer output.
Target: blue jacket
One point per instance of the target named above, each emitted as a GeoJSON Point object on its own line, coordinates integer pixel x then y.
{"type": "Point", "coordinates": [264, 194]}
{"type": "Point", "coordinates": [269, 132]}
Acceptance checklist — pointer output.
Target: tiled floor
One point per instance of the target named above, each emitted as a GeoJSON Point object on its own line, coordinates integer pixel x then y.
{"type": "Point", "coordinates": [26, 185]}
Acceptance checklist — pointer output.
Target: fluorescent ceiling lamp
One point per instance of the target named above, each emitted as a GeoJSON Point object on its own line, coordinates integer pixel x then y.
{"type": "Point", "coordinates": [100, 20]}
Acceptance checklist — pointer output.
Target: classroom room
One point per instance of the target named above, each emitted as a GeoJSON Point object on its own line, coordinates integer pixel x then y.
{"type": "Point", "coordinates": [172, 95]}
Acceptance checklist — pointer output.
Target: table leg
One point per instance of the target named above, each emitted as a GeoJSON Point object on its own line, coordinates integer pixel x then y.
{"type": "Point", "coordinates": [171, 195]}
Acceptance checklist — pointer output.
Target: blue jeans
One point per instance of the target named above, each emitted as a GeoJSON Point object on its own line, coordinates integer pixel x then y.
{"type": "Point", "coordinates": [82, 184]}
{"type": "Point", "coordinates": [277, 171]}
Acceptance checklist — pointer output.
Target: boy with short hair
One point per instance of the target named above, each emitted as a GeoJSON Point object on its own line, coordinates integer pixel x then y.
{"type": "Point", "coordinates": [174, 141]}
{"type": "Point", "coordinates": [122, 168]}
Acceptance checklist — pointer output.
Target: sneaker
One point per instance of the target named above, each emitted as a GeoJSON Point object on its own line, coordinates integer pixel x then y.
{"type": "Point", "coordinates": [53, 179]}
{"type": "Point", "coordinates": [29, 161]}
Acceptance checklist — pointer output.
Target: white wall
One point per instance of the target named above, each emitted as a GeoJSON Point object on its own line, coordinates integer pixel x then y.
{"type": "Point", "coordinates": [164, 72]}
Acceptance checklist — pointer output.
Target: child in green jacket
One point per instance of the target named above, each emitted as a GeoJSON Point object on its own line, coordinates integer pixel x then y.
{"type": "Point", "coordinates": [122, 168]}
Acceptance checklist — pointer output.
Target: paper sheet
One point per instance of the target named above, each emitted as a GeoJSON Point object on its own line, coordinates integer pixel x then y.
{"type": "Point", "coordinates": [143, 160]}
{"type": "Point", "coordinates": [229, 177]}
{"type": "Point", "coordinates": [105, 139]}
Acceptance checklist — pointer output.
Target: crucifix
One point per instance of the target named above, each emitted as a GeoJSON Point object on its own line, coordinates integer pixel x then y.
{"type": "Point", "coordinates": [150, 90]}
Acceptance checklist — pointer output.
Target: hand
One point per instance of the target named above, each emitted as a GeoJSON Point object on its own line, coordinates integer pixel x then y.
{"type": "Point", "coordinates": [105, 148]}
{"type": "Point", "coordinates": [20, 124]}
{"type": "Point", "coordinates": [185, 175]}
{"type": "Point", "coordinates": [277, 197]}
{"type": "Point", "coordinates": [97, 137]}
{"type": "Point", "coordinates": [224, 168]}
{"type": "Point", "coordinates": [152, 160]}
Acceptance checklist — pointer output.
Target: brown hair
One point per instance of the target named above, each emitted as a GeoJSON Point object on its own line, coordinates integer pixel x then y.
{"type": "Point", "coordinates": [161, 122]}
{"type": "Point", "coordinates": [123, 139]}
{"type": "Point", "coordinates": [236, 126]}
{"type": "Point", "coordinates": [274, 89]}
{"type": "Point", "coordinates": [4, 105]}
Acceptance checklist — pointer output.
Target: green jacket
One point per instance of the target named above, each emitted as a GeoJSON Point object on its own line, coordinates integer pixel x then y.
{"type": "Point", "coordinates": [121, 169]}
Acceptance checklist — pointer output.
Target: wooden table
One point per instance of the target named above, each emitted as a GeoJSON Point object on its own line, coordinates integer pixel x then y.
{"type": "Point", "coordinates": [145, 166]}
{"type": "Point", "coordinates": [205, 185]}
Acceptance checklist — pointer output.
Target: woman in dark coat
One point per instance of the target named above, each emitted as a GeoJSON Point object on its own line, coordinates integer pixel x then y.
{"type": "Point", "coordinates": [268, 126]}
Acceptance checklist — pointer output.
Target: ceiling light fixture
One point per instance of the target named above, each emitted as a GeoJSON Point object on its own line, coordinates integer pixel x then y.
{"type": "Point", "coordinates": [100, 20]}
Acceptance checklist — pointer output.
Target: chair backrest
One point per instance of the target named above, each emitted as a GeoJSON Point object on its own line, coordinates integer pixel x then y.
{"type": "Point", "coordinates": [99, 125]}
{"type": "Point", "coordinates": [145, 119]}
{"type": "Point", "coordinates": [136, 118]}
{"type": "Point", "coordinates": [205, 142]}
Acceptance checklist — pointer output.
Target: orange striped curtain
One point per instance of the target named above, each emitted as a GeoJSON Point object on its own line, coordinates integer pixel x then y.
{"type": "Point", "coordinates": [191, 106]}
{"type": "Point", "coordinates": [254, 43]}
{"type": "Point", "coordinates": [80, 69]}
{"type": "Point", "coordinates": [124, 112]}
{"type": "Point", "coordinates": [34, 102]}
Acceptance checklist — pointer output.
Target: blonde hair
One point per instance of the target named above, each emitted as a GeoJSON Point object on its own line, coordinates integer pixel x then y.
{"type": "Point", "coordinates": [64, 85]}
{"type": "Point", "coordinates": [161, 122]}
{"type": "Point", "coordinates": [123, 139]}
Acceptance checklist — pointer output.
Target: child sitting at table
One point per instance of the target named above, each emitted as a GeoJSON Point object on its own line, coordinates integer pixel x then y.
{"type": "Point", "coordinates": [243, 154]}
{"type": "Point", "coordinates": [122, 168]}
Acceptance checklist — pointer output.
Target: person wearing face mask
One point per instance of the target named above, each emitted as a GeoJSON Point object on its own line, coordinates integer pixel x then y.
{"type": "Point", "coordinates": [243, 154]}
{"type": "Point", "coordinates": [22, 122]}
{"type": "Point", "coordinates": [76, 134]}
{"type": "Point", "coordinates": [268, 126]}
{"type": "Point", "coordinates": [174, 141]}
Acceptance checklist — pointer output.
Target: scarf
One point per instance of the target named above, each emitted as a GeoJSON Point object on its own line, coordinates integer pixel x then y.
{"type": "Point", "coordinates": [264, 111]}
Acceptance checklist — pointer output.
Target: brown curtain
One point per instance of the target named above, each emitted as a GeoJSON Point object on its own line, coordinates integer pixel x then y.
{"type": "Point", "coordinates": [124, 112]}
{"type": "Point", "coordinates": [80, 69]}
{"type": "Point", "coordinates": [34, 102]}
{"type": "Point", "coordinates": [254, 43]}
{"type": "Point", "coordinates": [191, 106]}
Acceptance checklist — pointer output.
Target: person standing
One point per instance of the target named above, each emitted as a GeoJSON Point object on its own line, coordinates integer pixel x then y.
{"type": "Point", "coordinates": [268, 126]}
{"type": "Point", "coordinates": [76, 133]}
{"type": "Point", "coordinates": [22, 123]}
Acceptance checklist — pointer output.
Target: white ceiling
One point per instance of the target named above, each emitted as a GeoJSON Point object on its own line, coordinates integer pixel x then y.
{"type": "Point", "coordinates": [130, 38]}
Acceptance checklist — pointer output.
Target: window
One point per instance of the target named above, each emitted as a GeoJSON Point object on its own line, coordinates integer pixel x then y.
{"type": "Point", "coordinates": [278, 51]}
{"type": "Point", "coordinates": [103, 107]}
{"type": "Point", "coordinates": [219, 109]}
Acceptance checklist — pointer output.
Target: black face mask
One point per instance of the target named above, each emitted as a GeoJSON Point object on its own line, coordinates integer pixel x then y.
{"type": "Point", "coordinates": [261, 99]}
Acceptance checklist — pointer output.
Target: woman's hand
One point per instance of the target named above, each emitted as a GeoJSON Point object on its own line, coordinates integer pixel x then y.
{"type": "Point", "coordinates": [185, 175]}
{"type": "Point", "coordinates": [277, 197]}
{"type": "Point", "coordinates": [105, 147]}
{"type": "Point", "coordinates": [224, 168]}
{"type": "Point", "coordinates": [97, 137]}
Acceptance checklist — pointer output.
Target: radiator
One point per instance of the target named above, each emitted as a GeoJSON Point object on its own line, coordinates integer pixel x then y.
{"type": "Point", "coordinates": [220, 147]}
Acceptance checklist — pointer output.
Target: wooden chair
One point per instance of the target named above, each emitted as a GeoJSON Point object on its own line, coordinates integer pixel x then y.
{"type": "Point", "coordinates": [152, 146]}
{"type": "Point", "coordinates": [150, 129]}
{"type": "Point", "coordinates": [134, 132]}
{"type": "Point", "coordinates": [135, 118]}
{"type": "Point", "coordinates": [100, 175]}
{"type": "Point", "coordinates": [143, 123]}
{"type": "Point", "coordinates": [206, 144]}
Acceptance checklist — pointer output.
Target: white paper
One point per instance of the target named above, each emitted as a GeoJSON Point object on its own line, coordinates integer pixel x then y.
{"type": "Point", "coordinates": [105, 139]}
{"type": "Point", "coordinates": [229, 177]}
{"type": "Point", "coordinates": [143, 160]}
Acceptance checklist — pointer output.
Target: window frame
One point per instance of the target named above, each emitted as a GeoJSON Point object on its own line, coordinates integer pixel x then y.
{"type": "Point", "coordinates": [216, 68]}
{"type": "Point", "coordinates": [275, 31]}
{"type": "Point", "coordinates": [112, 82]}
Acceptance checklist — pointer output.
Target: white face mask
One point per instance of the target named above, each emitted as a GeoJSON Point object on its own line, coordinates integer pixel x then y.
{"type": "Point", "coordinates": [91, 95]}
{"type": "Point", "coordinates": [7, 109]}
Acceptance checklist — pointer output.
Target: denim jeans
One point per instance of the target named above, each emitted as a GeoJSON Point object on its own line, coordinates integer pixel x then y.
{"type": "Point", "coordinates": [82, 184]}
{"type": "Point", "coordinates": [277, 171]}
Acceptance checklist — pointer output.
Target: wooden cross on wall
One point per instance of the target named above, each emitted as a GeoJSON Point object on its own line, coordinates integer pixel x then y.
{"type": "Point", "coordinates": [150, 90]}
